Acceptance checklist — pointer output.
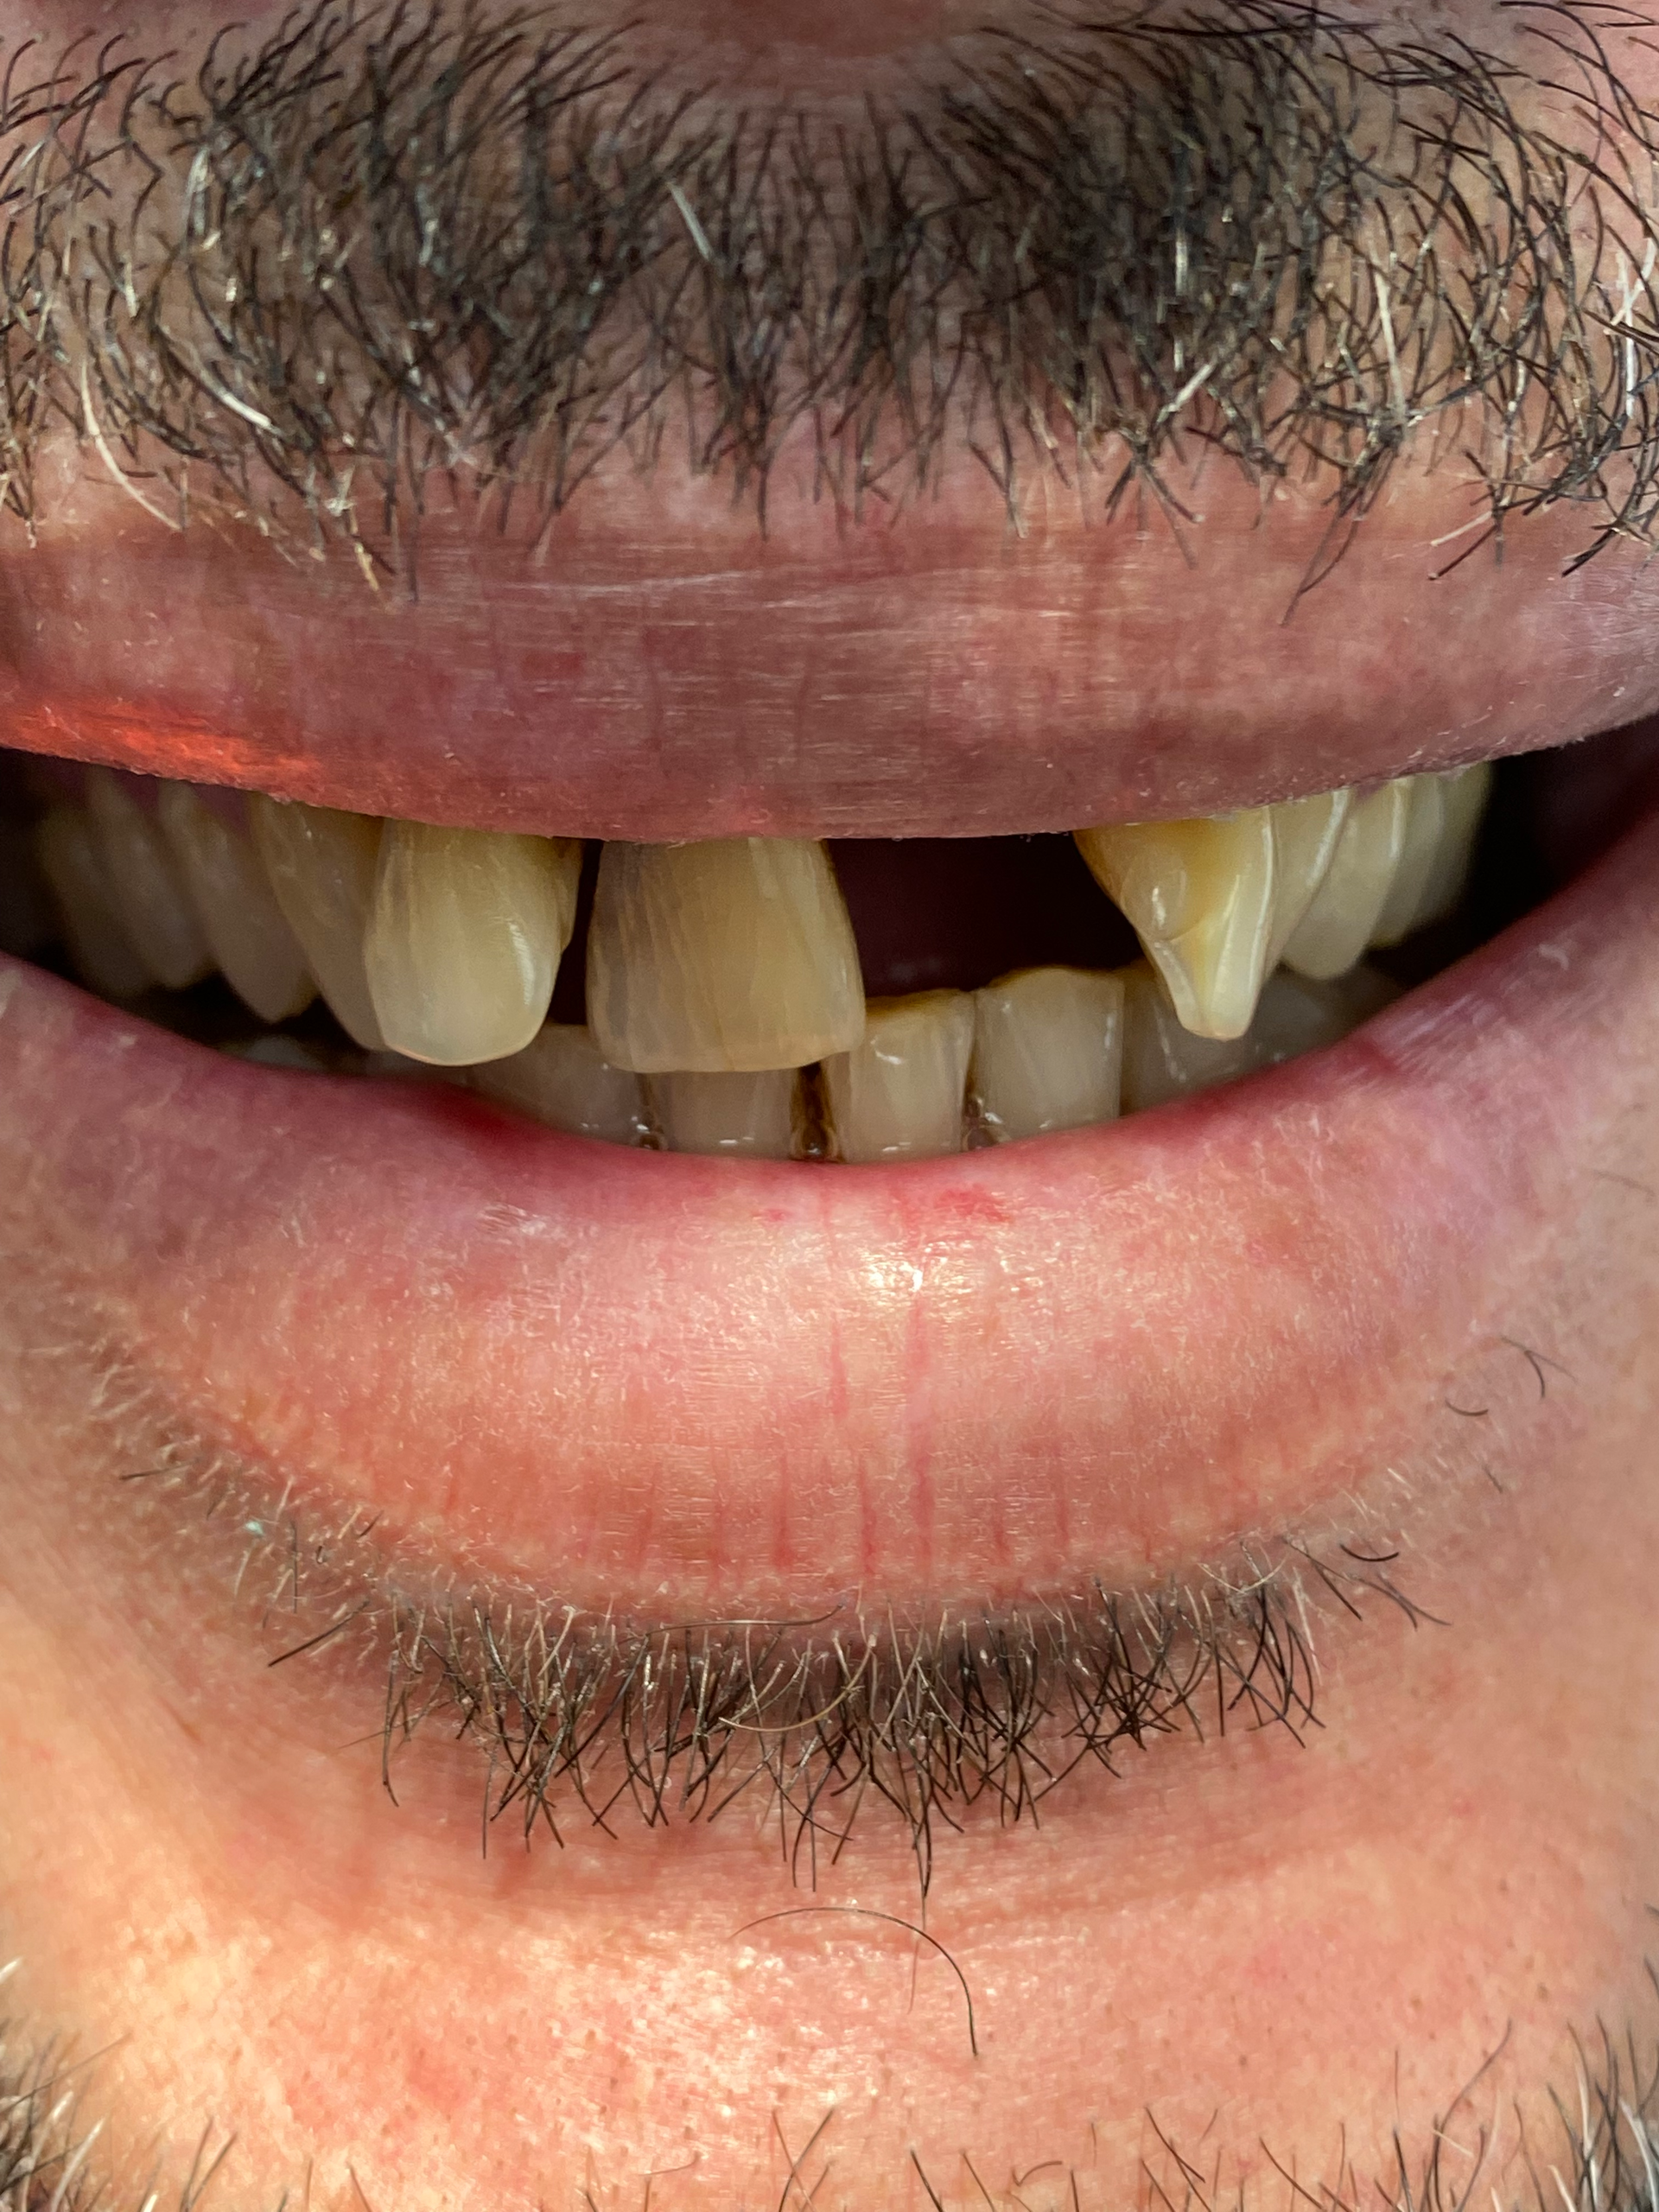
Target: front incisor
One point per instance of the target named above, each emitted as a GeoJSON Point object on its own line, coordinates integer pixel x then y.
{"type": "Point", "coordinates": [899, 1093]}
{"type": "Point", "coordinates": [734, 955]}
{"type": "Point", "coordinates": [1200, 895]}
{"type": "Point", "coordinates": [464, 933]}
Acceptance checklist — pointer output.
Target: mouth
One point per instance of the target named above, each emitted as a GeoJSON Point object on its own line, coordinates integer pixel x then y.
{"type": "Point", "coordinates": [752, 1169]}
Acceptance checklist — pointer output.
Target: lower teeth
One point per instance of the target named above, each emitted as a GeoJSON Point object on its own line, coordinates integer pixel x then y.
{"type": "Point", "coordinates": [723, 981]}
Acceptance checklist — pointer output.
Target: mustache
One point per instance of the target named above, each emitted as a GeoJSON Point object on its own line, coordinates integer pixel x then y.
{"type": "Point", "coordinates": [388, 248]}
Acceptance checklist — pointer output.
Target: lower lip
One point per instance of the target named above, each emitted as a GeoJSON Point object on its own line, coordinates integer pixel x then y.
{"type": "Point", "coordinates": [666, 1384]}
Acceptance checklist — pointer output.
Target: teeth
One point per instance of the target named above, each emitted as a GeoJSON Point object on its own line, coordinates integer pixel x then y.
{"type": "Point", "coordinates": [465, 931]}
{"type": "Point", "coordinates": [753, 1112]}
{"type": "Point", "coordinates": [250, 943]}
{"type": "Point", "coordinates": [562, 1079]}
{"type": "Point", "coordinates": [898, 1094]}
{"type": "Point", "coordinates": [1305, 833]}
{"type": "Point", "coordinates": [144, 885]}
{"type": "Point", "coordinates": [103, 954]}
{"type": "Point", "coordinates": [1199, 896]}
{"type": "Point", "coordinates": [1418, 850]}
{"type": "Point", "coordinates": [1464, 794]}
{"type": "Point", "coordinates": [736, 954]}
{"type": "Point", "coordinates": [1048, 1051]}
{"type": "Point", "coordinates": [321, 866]}
{"type": "Point", "coordinates": [1162, 1060]}
{"type": "Point", "coordinates": [1336, 928]}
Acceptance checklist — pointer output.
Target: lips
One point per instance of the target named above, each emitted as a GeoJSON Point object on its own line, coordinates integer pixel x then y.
{"type": "Point", "coordinates": [658, 1385]}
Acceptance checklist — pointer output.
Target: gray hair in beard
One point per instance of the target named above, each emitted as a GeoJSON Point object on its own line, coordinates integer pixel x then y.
{"type": "Point", "coordinates": [403, 246]}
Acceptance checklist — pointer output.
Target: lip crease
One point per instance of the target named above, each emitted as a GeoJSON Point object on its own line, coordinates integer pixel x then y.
{"type": "Point", "coordinates": [664, 1384]}
{"type": "Point", "coordinates": [659, 669]}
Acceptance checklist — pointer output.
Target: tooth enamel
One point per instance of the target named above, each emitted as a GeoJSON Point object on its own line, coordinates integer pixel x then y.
{"type": "Point", "coordinates": [321, 866]}
{"type": "Point", "coordinates": [103, 954]}
{"type": "Point", "coordinates": [144, 884]}
{"type": "Point", "coordinates": [898, 1094]}
{"type": "Point", "coordinates": [251, 944]}
{"type": "Point", "coordinates": [1336, 928]}
{"type": "Point", "coordinates": [1466, 793]}
{"type": "Point", "coordinates": [1305, 833]}
{"type": "Point", "coordinates": [752, 1112]}
{"type": "Point", "coordinates": [735, 954]}
{"type": "Point", "coordinates": [561, 1078]}
{"type": "Point", "coordinates": [1200, 895]}
{"type": "Point", "coordinates": [465, 932]}
{"type": "Point", "coordinates": [1425, 828]}
{"type": "Point", "coordinates": [1048, 1051]}
{"type": "Point", "coordinates": [1162, 1061]}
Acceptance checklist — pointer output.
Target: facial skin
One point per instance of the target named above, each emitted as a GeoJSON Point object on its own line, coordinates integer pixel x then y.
{"type": "Point", "coordinates": [1308, 1425]}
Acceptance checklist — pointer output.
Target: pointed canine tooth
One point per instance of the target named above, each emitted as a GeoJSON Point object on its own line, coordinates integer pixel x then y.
{"type": "Point", "coordinates": [321, 866]}
{"type": "Point", "coordinates": [464, 933]}
{"type": "Point", "coordinates": [562, 1079]}
{"type": "Point", "coordinates": [1200, 895]}
{"type": "Point", "coordinates": [1161, 1061]}
{"type": "Point", "coordinates": [1425, 827]}
{"type": "Point", "coordinates": [144, 884]}
{"type": "Point", "coordinates": [1305, 835]}
{"type": "Point", "coordinates": [1466, 793]}
{"type": "Point", "coordinates": [252, 945]}
{"type": "Point", "coordinates": [898, 1094]}
{"type": "Point", "coordinates": [753, 1112]}
{"type": "Point", "coordinates": [735, 954]}
{"type": "Point", "coordinates": [1048, 1051]}
{"type": "Point", "coordinates": [1337, 927]}
{"type": "Point", "coordinates": [104, 954]}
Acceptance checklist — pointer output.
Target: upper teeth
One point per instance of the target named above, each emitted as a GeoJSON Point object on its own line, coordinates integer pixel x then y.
{"type": "Point", "coordinates": [720, 969]}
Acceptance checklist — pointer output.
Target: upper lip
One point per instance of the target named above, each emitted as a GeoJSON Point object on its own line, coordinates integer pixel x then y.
{"type": "Point", "coordinates": [660, 674]}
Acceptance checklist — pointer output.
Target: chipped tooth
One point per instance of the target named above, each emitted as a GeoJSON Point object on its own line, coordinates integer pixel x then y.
{"type": "Point", "coordinates": [562, 1079]}
{"type": "Point", "coordinates": [1466, 793]}
{"type": "Point", "coordinates": [1425, 827]}
{"type": "Point", "coordinates": [1048, 1051]}
{"type": "Point", "coordinates": [465, 932]}
{"type": "Point", "coordinates": [1336, 928]}
{"type": "Point", "coordinates": [898, 1095]}
{"type": "Point", "coordinates": [144, 884]}
{"type": "Point", "coordinates": [753, 1112]}
{"type": "Point", "coordinates": [104, 955]}
{"type": "Point", "coordinates": [1200, 895]}
{"type": "Point", "coordinates": [734, 954]}
{"type": "Point", "coordinates": [250, 942]}
{"type": "Point", "coordinates": [321, 866]}
{"type": "Point", "coordinates": [1305, 833]}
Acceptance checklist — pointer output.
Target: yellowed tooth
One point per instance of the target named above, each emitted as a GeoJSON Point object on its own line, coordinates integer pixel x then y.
{"type": "Point", "coordinates": [1162, 1061]}
{"type": "Point", "coordinates": [1465, 791]}
{"type": "Point", "coordinates": [1048, 1051]}
{"type": "Point", "coordinates": [1305, 835]}
{"type": "Point", "coordinates": [899, 1095]}
{"type": "Point", "coordinates": [1200, 895]}
{"type": "Point", "coordinates": [321, 866]}
{"type": "Point", "coordinates": [750, 1112]}
{"type": "Point", "coordinates": [735, 954]}
{"type": "Point", "coordinates": [252, 942]}
{"type": "Point", "coordinates": [144, 884]}
{"type": "Point", "coordinates": [464, 936]}
{"type": "Point", "coordinates": [562, 1079]}
{"type": "Point", "coordinates": [1424, 828]}
{"type": "Point", "coordinates": [1336, 928]}
{"type": "Point", "coordinates": [104, 955]}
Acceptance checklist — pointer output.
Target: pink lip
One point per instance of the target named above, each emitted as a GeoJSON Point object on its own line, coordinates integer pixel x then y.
{"type": "Point", "coordinates": [669, 1384]}
{"type": "Point", "coordinates": [662, 671]}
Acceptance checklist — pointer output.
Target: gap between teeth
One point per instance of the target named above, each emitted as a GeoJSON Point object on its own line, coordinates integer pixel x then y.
{"type": "Point", "coordinates": [725, 1006]}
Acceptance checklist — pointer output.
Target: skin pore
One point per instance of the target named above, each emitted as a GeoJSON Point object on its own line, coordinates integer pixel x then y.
{"type": "Point", "coordinates": [309, 1389]}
